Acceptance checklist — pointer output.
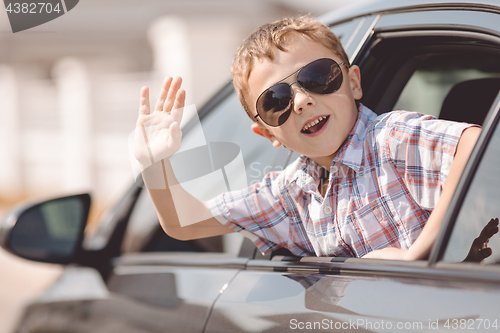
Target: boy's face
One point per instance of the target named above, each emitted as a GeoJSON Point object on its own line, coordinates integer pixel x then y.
{"type": "Point", "coordinates": [339, 107]}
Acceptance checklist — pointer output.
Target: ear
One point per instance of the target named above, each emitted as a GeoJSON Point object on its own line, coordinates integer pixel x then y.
{"type": "Point", "coordinates": [355, 82]}
{"type": "Point", "coordinates": [259, 129]}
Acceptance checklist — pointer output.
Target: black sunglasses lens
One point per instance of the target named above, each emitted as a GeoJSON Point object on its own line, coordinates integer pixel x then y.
{"type": "Point", "coordinates": [275, 104]}
{"type": "Point", "coordinates": [322, 76]}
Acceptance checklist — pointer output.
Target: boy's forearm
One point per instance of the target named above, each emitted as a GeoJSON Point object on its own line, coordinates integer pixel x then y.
{"type": "Point", "coordinates": [423, 244]}
{"type": "Point", "coordinates": [185, 218]}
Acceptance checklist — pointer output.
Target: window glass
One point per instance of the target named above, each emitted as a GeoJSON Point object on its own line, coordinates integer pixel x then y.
{"type": "Point", "coordinates": [479, 207]}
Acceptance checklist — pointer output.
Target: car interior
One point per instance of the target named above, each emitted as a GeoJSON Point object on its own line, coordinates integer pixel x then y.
{"type": "Point", "coordinates": [428, 75]}
{"type": "Point", "coordinates": [477, 95]}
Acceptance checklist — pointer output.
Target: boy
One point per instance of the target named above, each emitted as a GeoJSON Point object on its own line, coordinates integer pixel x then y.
{"type": "Point", "coordinates": [388, 179]}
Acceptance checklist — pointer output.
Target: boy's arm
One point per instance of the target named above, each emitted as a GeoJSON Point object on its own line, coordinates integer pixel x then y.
{"type": "Point", "coordinates": [158, 137]}
{"type": "Point", "coordinates": [186, 209]}
{"type": "Point", "coordinates": [423, 244]}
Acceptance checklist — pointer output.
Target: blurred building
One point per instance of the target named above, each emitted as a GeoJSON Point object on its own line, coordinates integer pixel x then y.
{"type": "Point", "coordinates": [69, 88]}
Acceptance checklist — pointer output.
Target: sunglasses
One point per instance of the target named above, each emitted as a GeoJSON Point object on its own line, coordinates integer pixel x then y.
{"type": "Point", "coordinates": [275, 104]}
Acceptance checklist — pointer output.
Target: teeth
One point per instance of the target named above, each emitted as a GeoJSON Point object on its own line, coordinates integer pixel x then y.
{"type": "Point", "coordinates": [312, 123]}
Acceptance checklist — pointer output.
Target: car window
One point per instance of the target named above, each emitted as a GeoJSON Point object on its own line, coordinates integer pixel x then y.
{"type": "Point", "coordinates": [420, 73]}
{"type": "Point", "coordinates": [481, 204]}
{"type": "Point", "coordinates": [436, 75]}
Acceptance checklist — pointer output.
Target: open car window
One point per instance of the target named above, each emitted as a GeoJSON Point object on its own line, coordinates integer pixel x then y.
{"type": "Point", "coordinates": [444, 76]}
{"type": "Point", "coordinates": [439, 75]}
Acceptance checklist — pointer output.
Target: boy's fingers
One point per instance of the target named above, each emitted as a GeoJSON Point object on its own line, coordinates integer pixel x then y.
{"type": "Point", "coordinates": [172, 93]}
{"type": "Point", "coordinates": [489, 230]}
{"type": "Point", "coordinates": [483, 254]}
{"type": "Point", "coordinates": [178, 108]}
{"type": "Point", "coordinates": [180, 99]}
{"type": "Point", "coordinates": [144, 101]}
{"type": "Point", "coordinates": [174, 140]}
{"type": "Point", "coordinates": [175, 130]}
{"type": "Point", "coordinates": [486, 252]}
{"type": "Point", "coordinates": [163, 93]}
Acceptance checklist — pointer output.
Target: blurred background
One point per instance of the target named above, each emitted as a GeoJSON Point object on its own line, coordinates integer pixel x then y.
{"type": "Point", "coordinates": [69, 98]}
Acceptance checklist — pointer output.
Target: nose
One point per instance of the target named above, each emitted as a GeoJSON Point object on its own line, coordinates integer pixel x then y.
{"type": "Point", "coordinates": [302, 98]}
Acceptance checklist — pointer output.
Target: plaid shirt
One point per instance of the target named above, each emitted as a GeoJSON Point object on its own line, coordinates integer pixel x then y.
{"type": "Point", "coordinates": [383, 184]}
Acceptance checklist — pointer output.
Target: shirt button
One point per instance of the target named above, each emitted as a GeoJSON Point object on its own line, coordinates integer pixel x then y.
{"type": "Point", "coordinates": [327, 210]}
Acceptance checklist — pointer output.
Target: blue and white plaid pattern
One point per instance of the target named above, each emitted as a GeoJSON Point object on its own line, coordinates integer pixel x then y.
{"type": "Point", "coordinates": [383, 185]}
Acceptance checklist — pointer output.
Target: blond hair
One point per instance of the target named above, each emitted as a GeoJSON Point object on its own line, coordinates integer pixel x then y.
{"type": "Point", "coordinates": [266, 40]}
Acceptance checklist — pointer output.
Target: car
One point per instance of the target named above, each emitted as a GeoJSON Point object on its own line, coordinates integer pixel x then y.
{"type": "Point", "coordinates": [435, 57]}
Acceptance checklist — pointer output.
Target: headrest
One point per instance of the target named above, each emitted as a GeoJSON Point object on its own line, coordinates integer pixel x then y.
{"type": "Point", "coordinates": [470, 101]}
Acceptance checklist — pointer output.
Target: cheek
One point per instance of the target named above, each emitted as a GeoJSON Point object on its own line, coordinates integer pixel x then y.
{"type": "Point", "coordinates": [350, 118]}
{"type": "Point", "coordinates": [286, 133]}
{"type": "Point", "coordinates": [282, 133]}
{"type": "Point", "coordinates": [345, 113]}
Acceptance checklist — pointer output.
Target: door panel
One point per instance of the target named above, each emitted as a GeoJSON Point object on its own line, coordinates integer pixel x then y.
{"type": "Point", "coordinates": [259, 301]}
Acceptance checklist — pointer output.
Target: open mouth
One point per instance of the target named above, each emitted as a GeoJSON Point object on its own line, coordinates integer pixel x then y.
{"type": "Point", "coordinates": [315, 126]}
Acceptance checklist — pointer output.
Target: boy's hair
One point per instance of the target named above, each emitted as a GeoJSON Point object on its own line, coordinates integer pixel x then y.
{"type": "Point", "coordinates": [266, 40]}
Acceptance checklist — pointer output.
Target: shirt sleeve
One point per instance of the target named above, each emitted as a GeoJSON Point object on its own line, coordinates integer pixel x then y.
{"type": "Point", "coordinates": [422, 149]}
{"type": "Point", "coordinates": [256, 212]}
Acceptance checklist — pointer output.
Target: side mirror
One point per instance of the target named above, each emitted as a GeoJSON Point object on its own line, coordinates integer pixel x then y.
{"type": "Point", "coordinates": [50, 231]}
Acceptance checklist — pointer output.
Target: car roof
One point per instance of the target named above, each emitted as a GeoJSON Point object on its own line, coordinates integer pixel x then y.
{"type": "Point", "coordinates": [369, 7]}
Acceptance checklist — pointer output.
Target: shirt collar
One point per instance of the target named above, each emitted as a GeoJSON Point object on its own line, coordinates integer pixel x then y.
{"type": "Point", "coordinates": [351, 152]}
{"type": "Point", "coordinates": [307, 174]}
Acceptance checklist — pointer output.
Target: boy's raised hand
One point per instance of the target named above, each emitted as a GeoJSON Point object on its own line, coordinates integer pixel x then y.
{"type": "Point", "coordinates": [158, 135]}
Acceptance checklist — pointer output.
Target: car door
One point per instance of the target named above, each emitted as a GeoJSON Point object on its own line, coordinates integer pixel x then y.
{"type": "Point", "coordinates": [405, 57]}
{"type": "Point", "coordinates": [362, 295]}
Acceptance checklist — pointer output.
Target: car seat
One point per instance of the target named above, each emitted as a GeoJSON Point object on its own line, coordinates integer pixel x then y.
{"type": "Point", "coordinates": [470, 101]}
